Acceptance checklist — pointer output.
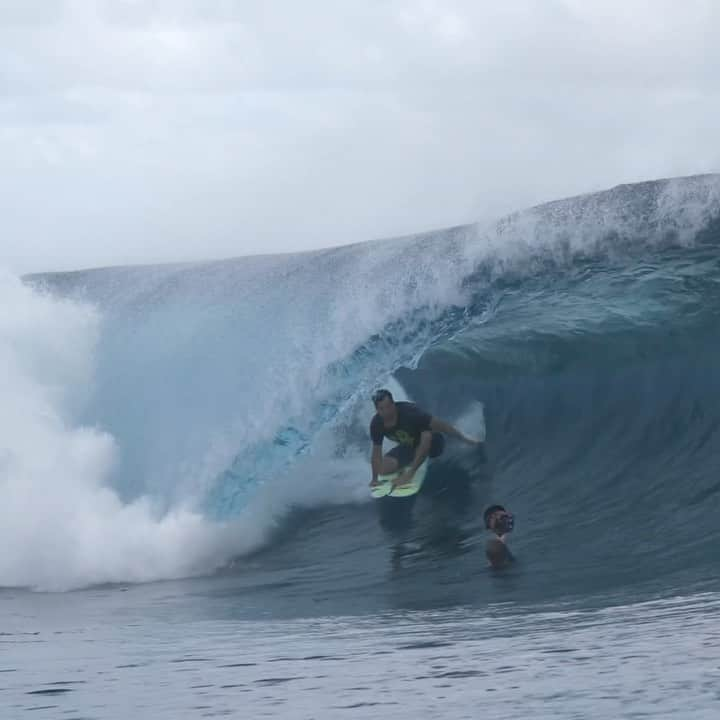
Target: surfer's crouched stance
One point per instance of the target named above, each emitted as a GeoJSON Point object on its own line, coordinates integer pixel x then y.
{"type": "Point", "coordinates": [499, 521]}
{"type": "Point", "coordinates": [418, 434]}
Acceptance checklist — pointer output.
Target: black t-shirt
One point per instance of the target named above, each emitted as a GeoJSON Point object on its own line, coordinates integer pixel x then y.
{"type": "Point", "coordinates": [411, 423]}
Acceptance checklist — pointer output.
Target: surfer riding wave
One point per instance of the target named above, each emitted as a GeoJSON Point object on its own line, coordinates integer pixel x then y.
{"type": "Point", "coordinates": [417, 433]}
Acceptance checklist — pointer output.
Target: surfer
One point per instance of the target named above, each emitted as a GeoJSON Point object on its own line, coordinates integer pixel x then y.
{"type": "Point", "coordinates": [419, 435]}
{"type": "Point", "coordinates": [500, 522]}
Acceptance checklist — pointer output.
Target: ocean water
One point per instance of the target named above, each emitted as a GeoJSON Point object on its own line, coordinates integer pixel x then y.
{"type": "Point", "coordinates": [184, 464]}
{"type": "Point", "coordinates": [177, 650]}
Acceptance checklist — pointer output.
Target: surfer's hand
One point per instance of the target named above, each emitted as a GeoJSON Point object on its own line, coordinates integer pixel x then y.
{"type": "Point", "coordinates": [404, 478]}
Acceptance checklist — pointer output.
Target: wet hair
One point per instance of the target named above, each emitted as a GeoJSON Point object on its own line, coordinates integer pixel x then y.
{"type": "Point", "coordinates": [497, 553]}
{"type": "Point", "coordinates": [380, 395]}
{"type": "Point", "coordinates": [490, 511]}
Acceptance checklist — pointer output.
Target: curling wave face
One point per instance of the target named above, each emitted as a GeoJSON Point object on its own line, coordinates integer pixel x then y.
{"type": "Point", "coordinates": [232, 390]}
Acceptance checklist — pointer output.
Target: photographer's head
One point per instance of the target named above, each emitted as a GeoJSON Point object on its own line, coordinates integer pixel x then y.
{"type": "Point", "coordinates": [498, 520]}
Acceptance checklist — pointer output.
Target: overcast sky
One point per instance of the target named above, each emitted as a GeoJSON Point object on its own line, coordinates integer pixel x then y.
{"type": "Point", "coordinates": [164, 130]}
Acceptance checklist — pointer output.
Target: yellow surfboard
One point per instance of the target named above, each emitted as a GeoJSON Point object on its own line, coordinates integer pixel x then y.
{"type": "Point", "coordinates": [385, 488]}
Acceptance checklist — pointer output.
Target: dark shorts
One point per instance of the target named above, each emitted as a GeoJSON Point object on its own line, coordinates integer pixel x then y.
{"type": "Point", "coordinates": [405, 454]}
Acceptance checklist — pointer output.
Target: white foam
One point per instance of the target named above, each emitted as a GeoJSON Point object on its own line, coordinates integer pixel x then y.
{"type": "Point", "coordinates": [472, 421]}
{"type": "Point", "coordinates": [60, 524]}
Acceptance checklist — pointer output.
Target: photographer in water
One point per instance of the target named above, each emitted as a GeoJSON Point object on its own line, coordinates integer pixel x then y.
{"type": "Point", "coordinates": [500, 522]}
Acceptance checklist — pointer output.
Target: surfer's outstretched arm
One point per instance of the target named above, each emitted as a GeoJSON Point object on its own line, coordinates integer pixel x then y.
{"type": "Point", "coordinates": [438, 425]}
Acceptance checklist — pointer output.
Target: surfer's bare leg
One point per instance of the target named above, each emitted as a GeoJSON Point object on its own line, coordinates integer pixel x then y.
{"type": "Point", "coordinates": [389, 465]}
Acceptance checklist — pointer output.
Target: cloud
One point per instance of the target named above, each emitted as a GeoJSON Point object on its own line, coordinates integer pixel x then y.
{"type": "Point", "coordinates": [146, 131]}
